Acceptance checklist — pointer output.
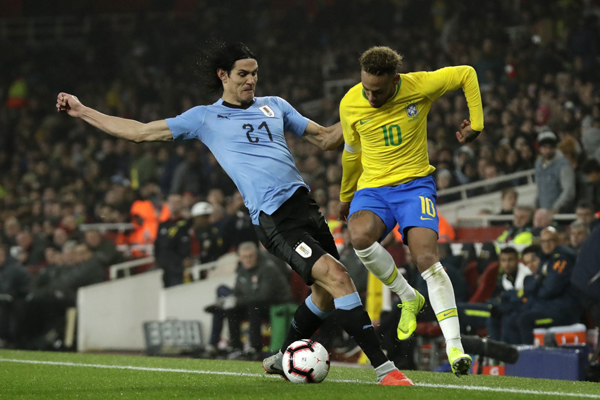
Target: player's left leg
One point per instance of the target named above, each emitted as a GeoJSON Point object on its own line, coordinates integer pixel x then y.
{"type": "Point", "coordinates": [422, 243]}
{"type": "Point", "coordinates": [371, 219]}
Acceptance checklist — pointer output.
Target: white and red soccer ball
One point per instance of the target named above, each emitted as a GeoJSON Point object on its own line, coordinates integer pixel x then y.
{"type": "Point", "coordinates": [306, 361]}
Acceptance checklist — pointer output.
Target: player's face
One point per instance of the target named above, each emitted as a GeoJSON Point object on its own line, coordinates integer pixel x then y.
{"type": "Point", "coordinates": [379, 88]}
{"type": "Point", "coordinates": [240, 84]}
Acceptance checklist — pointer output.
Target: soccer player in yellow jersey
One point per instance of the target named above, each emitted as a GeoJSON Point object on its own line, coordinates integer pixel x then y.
{"type": "Point", "coordinates": [387, 180]}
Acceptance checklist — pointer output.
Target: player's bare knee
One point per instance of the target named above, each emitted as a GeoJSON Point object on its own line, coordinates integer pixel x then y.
{"type": "Point", "coordinates": [360, 237]}
{"type": "Point", "coordinates": [339, 280]}
{"type": "Point", "coordinates": [426, 260]}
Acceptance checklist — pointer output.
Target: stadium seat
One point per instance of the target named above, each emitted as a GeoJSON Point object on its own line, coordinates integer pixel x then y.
{"type": "Point", "coordinates": [471, 275]}
{"type": "Point", "coordinates": [487, 284]}
{"type": "Point", "coordinates": [479, 234]}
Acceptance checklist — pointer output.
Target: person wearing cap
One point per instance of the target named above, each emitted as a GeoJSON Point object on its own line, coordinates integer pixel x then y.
{"type": "Point", "coordinates": [207, 243]}
{"type": "Point", "coordinates": [172, 245]}
{"type": "Point", "coordinates": [554, 176]}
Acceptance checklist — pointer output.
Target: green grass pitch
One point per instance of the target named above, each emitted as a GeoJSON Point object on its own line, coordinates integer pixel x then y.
{"type": "Point", "coordinates": [40, 375]}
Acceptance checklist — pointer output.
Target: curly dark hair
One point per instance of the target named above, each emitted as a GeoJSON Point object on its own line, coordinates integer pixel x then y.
{"type": "Point", "coordinates": [215, 55]}
{"type": "Point", "coordinates": [380, 60]}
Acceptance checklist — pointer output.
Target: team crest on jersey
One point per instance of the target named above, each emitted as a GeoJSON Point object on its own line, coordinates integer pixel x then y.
{"type": "Point", "coordinates": [267, 111]}
{"type": "Point", "coordinates": [412, 110]}
{"type": "Point", "coordinates": [304, 250]}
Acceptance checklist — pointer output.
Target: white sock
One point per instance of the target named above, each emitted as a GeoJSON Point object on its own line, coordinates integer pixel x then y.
{"type": "Point", "coordinates": [384, 369]}
{"type": "Point", "coordinates": [382, 265]}
{"type": "Point", "coordinates": [441, 297]}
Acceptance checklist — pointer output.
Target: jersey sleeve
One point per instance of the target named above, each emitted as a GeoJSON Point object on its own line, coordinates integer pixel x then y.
{"type": "Point", "coordinates": [351, 137]}
{"type": "Point", "coordinates": [186, 126]}
{"type": "Point", "coordinates": [351, 157]}
{"type": "Point", "coordinates": [293, 121]}
{"type": "Point", "coordinates": [434, 84]}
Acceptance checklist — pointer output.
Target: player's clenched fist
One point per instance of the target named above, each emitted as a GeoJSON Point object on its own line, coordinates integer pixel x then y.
{"type": "Point", "coordinates": [466, 133]}
{"type": "Point", "coordinates": [70, 104]}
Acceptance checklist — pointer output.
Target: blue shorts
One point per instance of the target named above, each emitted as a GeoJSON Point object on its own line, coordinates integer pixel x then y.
{"type": "Point", "coordinates": [410, 204]}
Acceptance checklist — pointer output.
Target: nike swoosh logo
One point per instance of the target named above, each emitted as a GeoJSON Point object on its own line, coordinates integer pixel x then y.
{"type": "Point", "coordinates": [445, 315]}
{"type": "Point", "coordinates": [431, 219]}
{"type": "Point", "coordinates": [365, 121]}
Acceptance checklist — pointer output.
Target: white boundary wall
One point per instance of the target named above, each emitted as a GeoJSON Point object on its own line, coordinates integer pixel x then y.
{"type": "Point", "coordinates": [187, 302]}
{"type": "Point", "coordinates": [111, 314]}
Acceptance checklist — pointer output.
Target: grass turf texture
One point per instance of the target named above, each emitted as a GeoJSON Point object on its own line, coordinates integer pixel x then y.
{"type": "Point", "coordinates": [29, 375]}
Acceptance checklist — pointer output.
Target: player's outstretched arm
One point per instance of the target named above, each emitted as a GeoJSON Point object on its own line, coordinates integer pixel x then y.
{"type": "Point", "coordinates": [119, 127]}
{"type": "Point", "coordinates": [325, 138]}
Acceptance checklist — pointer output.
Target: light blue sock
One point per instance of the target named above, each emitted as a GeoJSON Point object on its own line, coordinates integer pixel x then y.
{"type": "Point", "coordinates": [315, 310]}
{"type": "Point", "coordinates": [348, 302]}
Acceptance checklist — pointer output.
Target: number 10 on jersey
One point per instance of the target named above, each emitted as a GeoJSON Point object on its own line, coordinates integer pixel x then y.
{"type": "Point", "coordinates": [390, 137]}
{"type": "Point", "coordinates": [427, 206]}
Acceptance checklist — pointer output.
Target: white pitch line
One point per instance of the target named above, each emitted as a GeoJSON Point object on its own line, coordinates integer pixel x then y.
{"type": "Point", "coordinates": [189, 371]}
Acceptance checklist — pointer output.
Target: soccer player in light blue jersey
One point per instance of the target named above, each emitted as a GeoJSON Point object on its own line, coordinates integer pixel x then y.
{"type": "Point", "coordinates": [246, 135]}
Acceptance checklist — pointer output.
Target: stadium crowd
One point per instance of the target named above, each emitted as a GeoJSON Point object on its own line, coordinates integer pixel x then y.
{"type": "Point", "coordinates": [536, 65]}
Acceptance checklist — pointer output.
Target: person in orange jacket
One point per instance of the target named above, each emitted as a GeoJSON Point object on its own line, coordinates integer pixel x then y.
{"type": "Point", "coordinates": [146, 213]}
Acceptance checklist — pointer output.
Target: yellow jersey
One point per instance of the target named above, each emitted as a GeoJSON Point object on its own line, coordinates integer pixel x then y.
{"type": "Point", "coordinates": [393, 138]}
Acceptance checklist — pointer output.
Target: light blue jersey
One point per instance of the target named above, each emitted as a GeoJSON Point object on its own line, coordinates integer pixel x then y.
{"type": "Point", "coordinates": [250, 146]}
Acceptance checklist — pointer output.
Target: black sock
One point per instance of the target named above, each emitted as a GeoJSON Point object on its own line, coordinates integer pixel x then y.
{"type": "Point", "coordinates": [304, 325]}
{"type": "Point", "coordinates": [359, 326]}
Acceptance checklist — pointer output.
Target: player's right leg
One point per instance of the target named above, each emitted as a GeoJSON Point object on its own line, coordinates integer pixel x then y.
{"type": "Point", "coordinates": [332, 276]}
{"type": "Point", "coordinates": [370, 221]}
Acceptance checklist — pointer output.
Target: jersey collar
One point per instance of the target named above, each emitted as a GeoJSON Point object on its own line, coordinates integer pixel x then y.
{"type": "Point", "coordinates": [395, 93]}
{"type": "Point", "coordinates": [226, 104]}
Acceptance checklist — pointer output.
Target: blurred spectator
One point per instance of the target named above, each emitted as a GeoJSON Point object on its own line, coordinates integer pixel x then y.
{"type": "Point", "coordinates": [542, 219]}
{"type": "Point", "coordinates": [188, 176]}
{"type": "Point", "coordinates": [169, 168]}
{"type": "Point", "coordinates": [519, 231]}
{"type": "Point", "coordinates": [554, 176]}
{"type": "Point", "coordinates": [33, 249]}
{"type": "Point", "coordinates": [590, 138]}
{"type": "Point", "coordinates": [505, 300]}
{"type": "Point", "coordinates": [591, 169]}
{"type": "Point", "coordinates": [508, 199]}
{"type": "Point", "coordinates": [586, 213]}
{"type": "Point", "coordinates": [59, 238]}
{"type": "Point", "coordinates": [11, 229]}
{"type": "Point", "coordinates": [444, 181]}
{"type": "Point", "coordinates": [259, 285]}
{"type": "Point", "coordinates": [239, 227]}
{"type": "Point", "coordinates": [355, 267]}
{"type": "Point", "coordinates": [146, 213]}
{"type": "Point", "coordinates": [172, 245]}
{"type": "Point", "coordinates": [41, 317]}
{"type": "Point", "coordinates": [14, 282]}
{"type": "Point", "coordinates": [586, 276]}
{"type": "Point", "coordinates": [551, 299]}
{"type": "Point", "coordinates": [102, 248]}
{"type": "Point", "coordinates": [206, 240]}
{"type": "Point", "coordinates": [579, 232]}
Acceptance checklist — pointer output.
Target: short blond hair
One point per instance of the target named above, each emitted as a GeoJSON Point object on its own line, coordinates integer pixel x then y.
{"type": "Point", "coordinates": [380, 60]}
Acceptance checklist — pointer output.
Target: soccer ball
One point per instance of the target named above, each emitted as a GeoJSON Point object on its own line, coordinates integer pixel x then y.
{"type": "Point", "coordinates": [306, 361]}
